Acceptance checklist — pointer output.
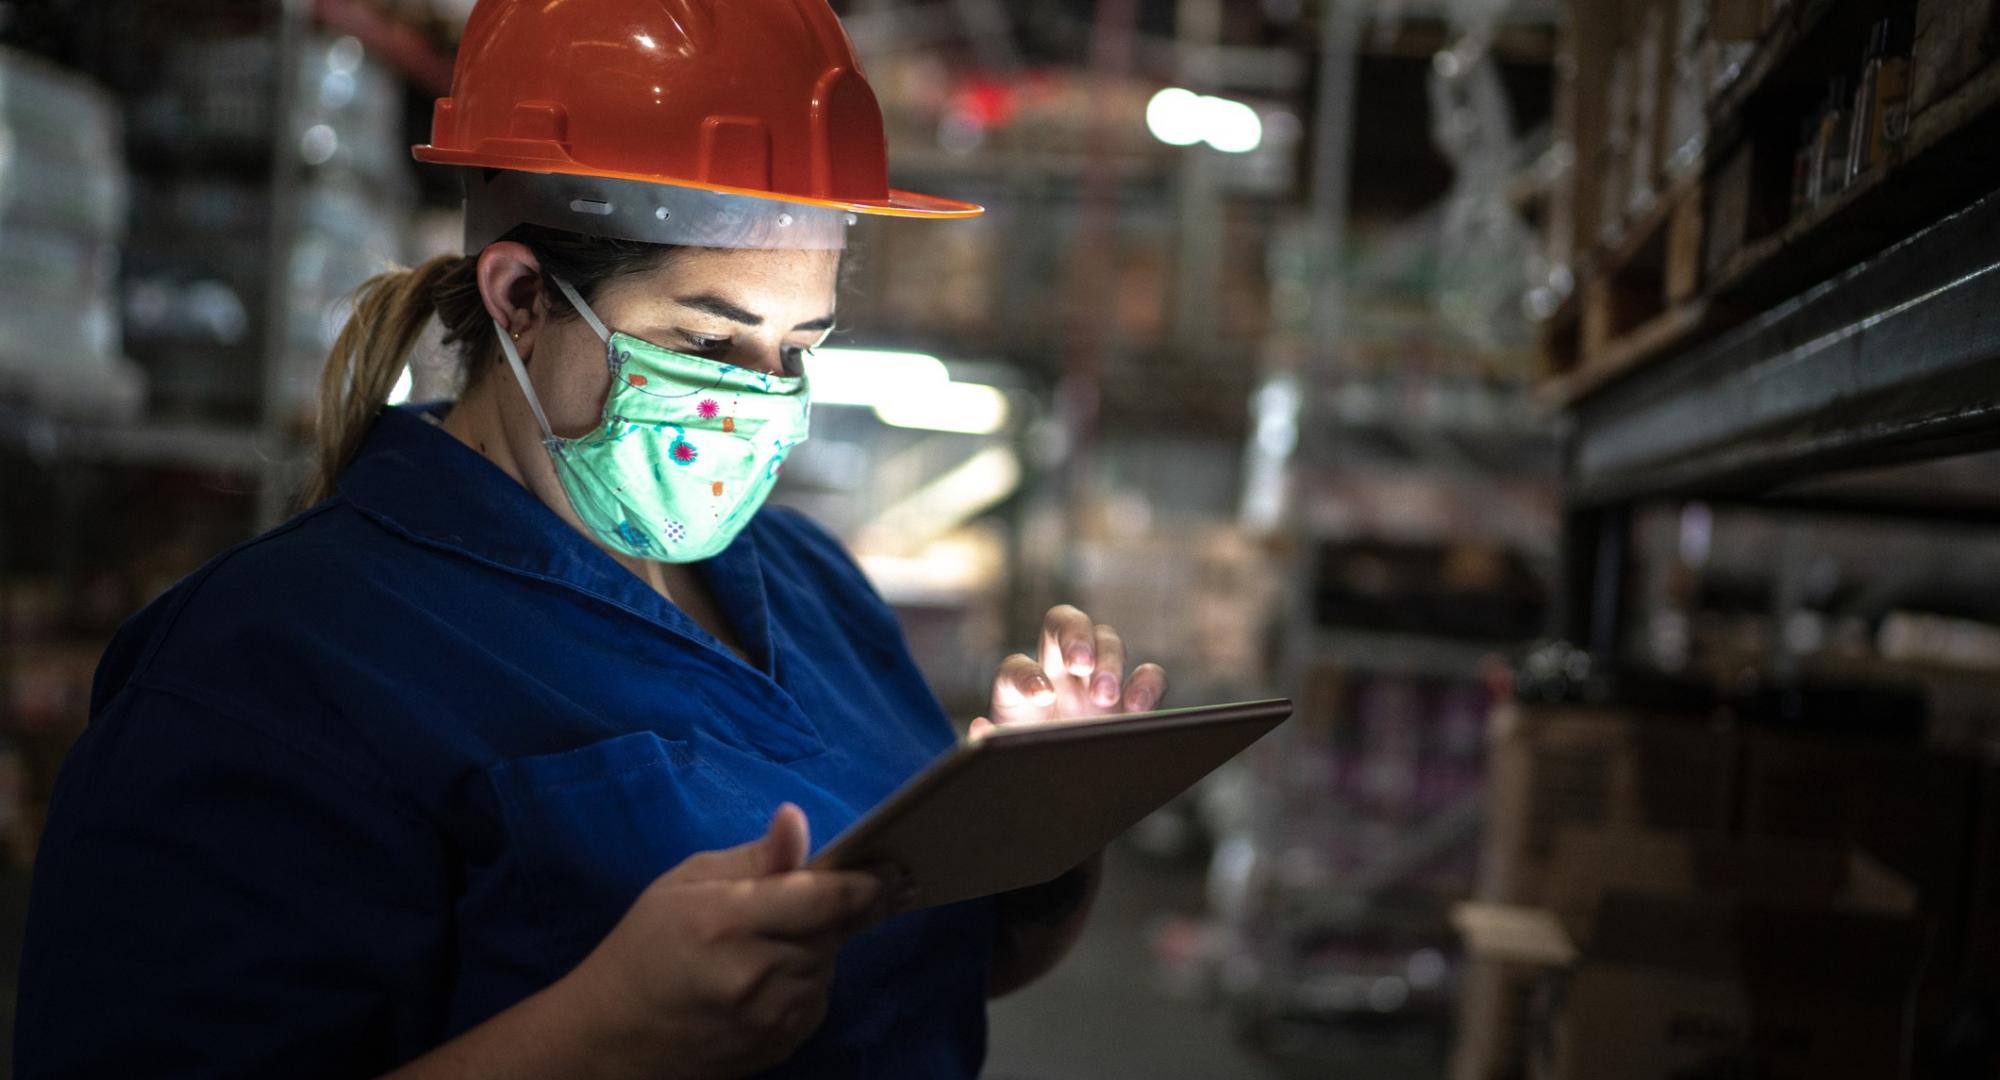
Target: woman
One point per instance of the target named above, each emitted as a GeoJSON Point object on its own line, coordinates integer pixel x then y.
{"type": "Point", "coordinates": [498, 761]}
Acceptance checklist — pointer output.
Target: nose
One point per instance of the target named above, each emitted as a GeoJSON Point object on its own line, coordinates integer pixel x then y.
{"type": "Point", "coordinates": [765, 356]}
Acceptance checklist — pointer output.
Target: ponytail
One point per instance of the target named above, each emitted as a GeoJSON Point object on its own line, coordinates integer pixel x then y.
{"type": "Point", "coordinates": [392, 309]}
{"type": "Point", "coordinates": [390, 312]}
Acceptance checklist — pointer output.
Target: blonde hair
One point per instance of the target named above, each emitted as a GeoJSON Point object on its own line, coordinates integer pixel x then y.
{"type": "Point", "coordinates": [390, 312]}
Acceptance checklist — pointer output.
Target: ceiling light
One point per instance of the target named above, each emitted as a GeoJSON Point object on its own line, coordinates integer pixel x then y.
{"type": "Point", "coordinates": [1181, 117]}
{"type": "Point", "coordinates": [962, 408]}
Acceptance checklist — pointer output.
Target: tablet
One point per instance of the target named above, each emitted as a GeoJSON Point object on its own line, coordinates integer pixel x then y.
{"type": "Point", "coordinates": [1029, 801]}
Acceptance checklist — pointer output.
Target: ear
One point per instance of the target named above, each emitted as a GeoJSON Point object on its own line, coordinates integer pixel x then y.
{"type": "Point", "coordinates": [510, 284]}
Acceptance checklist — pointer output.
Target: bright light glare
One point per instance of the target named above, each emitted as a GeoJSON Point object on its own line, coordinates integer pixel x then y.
{"type": "Point", "coordinates": [1175, 116]}
{"type": "Point", "coordinates": [1180, 117]}
{"type": "Point", "coordinates": [964, 408]}
{"type": "Point", "coordinates": [865, 376]}
{"type": "Point", "coordinates": [906, 389]}
{"type": "Point", "coordinates": [400, 393]}
{"type": "Point", "coordinates": [1233, 127]}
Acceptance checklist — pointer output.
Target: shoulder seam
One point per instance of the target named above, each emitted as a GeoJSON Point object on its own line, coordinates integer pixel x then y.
{"type": "Point", "coordinates": [201, 578]}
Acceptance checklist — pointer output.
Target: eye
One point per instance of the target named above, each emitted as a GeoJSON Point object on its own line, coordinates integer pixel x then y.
{"type": "Point", "coordinates": [795, 359]}
{"type": "Point", "coordinates": [702, 345]}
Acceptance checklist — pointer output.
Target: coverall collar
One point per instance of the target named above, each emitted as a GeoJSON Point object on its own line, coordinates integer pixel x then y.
{"type": "Point", "coordinates": [417, 480]}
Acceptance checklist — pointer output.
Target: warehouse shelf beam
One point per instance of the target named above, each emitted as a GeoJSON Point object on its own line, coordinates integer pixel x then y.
{"type": "Point", "coordinates": [1899, 359]}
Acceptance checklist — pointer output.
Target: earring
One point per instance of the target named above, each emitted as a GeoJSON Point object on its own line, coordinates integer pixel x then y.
{"type": "Point", "coordinates": [517, 335]}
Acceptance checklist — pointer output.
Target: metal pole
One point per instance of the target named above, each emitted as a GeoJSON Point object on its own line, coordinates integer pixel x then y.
{"type": "Point", "coordinates": [277, 470]}
{"type": "Point", "coordinates": [1301, 642]}
{"type": "Point", "coordinates": [1197, 271]}
{"type": "Point", "coordinates": [1096, 260]}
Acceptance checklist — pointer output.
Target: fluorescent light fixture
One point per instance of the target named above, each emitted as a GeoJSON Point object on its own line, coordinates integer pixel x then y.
{"type": "Point", "coordinates": [1181, 117]}
{"type": "Point", "coordinates": [964, 408]}
{"type": "Point", "coordinates": [842, 376]}
{"type": "Point", "coordinates": [906, 389]}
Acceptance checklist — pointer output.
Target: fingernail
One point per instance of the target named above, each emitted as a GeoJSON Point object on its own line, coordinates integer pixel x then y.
{"type": "Point", "coordinates": [1142, 701]}
{"type": "Point", "coordinates": [1080, 660]}
{"type": "Point", "coordinates": [1104, 688]}
{"type": "Point", "coordinates": [1040, 689]}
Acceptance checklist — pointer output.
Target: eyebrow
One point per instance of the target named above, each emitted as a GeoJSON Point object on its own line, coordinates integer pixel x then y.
{"type": "Point", "coordinates": [723, 309]}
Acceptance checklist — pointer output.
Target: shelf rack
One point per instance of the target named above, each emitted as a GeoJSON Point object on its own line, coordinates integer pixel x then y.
{"type": "Point", "coordinates": [1863, 332]}
{"type": "Point", "coordinates": [1897, 359]}
{"type": "Point", "coordinates": [1949, 158]}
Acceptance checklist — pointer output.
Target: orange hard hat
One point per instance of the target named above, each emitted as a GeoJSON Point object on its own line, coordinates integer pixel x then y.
{"type": "Point", "coordinates": [761, 98]}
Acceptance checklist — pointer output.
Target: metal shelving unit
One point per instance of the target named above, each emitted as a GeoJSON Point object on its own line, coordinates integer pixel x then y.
{"type": "Point", "coordinates": [1896, 360]}
{"type": "Point", "coordinates": [1864, 332]}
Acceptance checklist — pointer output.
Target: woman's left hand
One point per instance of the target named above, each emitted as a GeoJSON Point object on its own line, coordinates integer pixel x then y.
{"type": "Point", "coordinates": [1079, 674]}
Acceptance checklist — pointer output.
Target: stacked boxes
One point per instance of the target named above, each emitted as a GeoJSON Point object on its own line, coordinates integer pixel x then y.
{"type": "Point", "coordinates": [1954, 40]}
{"type": "Point", "coordinates": [1552, 769]}
{"type": "Point", "coordinates": [1665, 894]}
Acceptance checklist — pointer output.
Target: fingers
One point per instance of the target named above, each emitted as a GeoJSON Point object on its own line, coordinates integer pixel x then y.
{"type": "Point", "coordinates": [1022, 691]}
{"type": "Point", "coordinates": [1068, 642]}
{"type": "Point", "coordinates": [783, 847]}
{"type": "Point", "coordinates": [787, 840]}
{"type": "Point", "coordinates": [1108, 673]}
{"type": "Point", "coordinates": [778, 988]}
{"type": "Point", "coordinates": [807, 903]}
{"type": "Point", "coordinates": [1146, 688]}
{"type": "Point", "coordinates": [978, 728]}
{"type": "Point", "coordinates": [1083, 663]}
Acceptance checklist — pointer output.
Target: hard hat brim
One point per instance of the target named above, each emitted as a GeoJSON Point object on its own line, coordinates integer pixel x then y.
{"type": "Point", "coordinates": [900, 204]}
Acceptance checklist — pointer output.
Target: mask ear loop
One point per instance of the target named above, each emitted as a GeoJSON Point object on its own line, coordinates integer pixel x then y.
{"type": "Point", "coordinates": [521, 370]}
{"type": "Point", "coordinates": [527, 388]}
{"type": "Point", "coordinates": [583, 309]}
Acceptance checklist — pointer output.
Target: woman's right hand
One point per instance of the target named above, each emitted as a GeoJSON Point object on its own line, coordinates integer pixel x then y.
{"type": "Point", "coordinates": [723, 966]}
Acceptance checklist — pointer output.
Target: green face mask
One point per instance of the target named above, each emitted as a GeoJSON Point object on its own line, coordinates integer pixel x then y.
{"type": "Point", "coordinates": [687, 451]}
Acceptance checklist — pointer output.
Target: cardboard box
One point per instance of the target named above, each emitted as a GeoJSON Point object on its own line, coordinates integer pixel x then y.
{"type": "Point", "coordinates": [1954, 40]}
{"type": "Point", "coordinates": [1588, 865]}
{"type": "Point", "coordinates": [1556, 767]}
{"type": "Point", "coordinates": [1907, 806]}
{"type": "Point", "coordinates": [1672, 954]}
{"type": "Point", "coordinates": [1584, 115]}
{"type": "Point", "coordinates": [1685, 129]}
{"type": "Point", "coordinates": [1685, 226]}
{"type": "Point", "coordinates": [1737, 20]}
{"type": "Point", "coordinates": [1728, 193]}
{"type": "Point", "coordinates": [1683, 987]}
{"type": "Point", "coordinates": [1651, 62]}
